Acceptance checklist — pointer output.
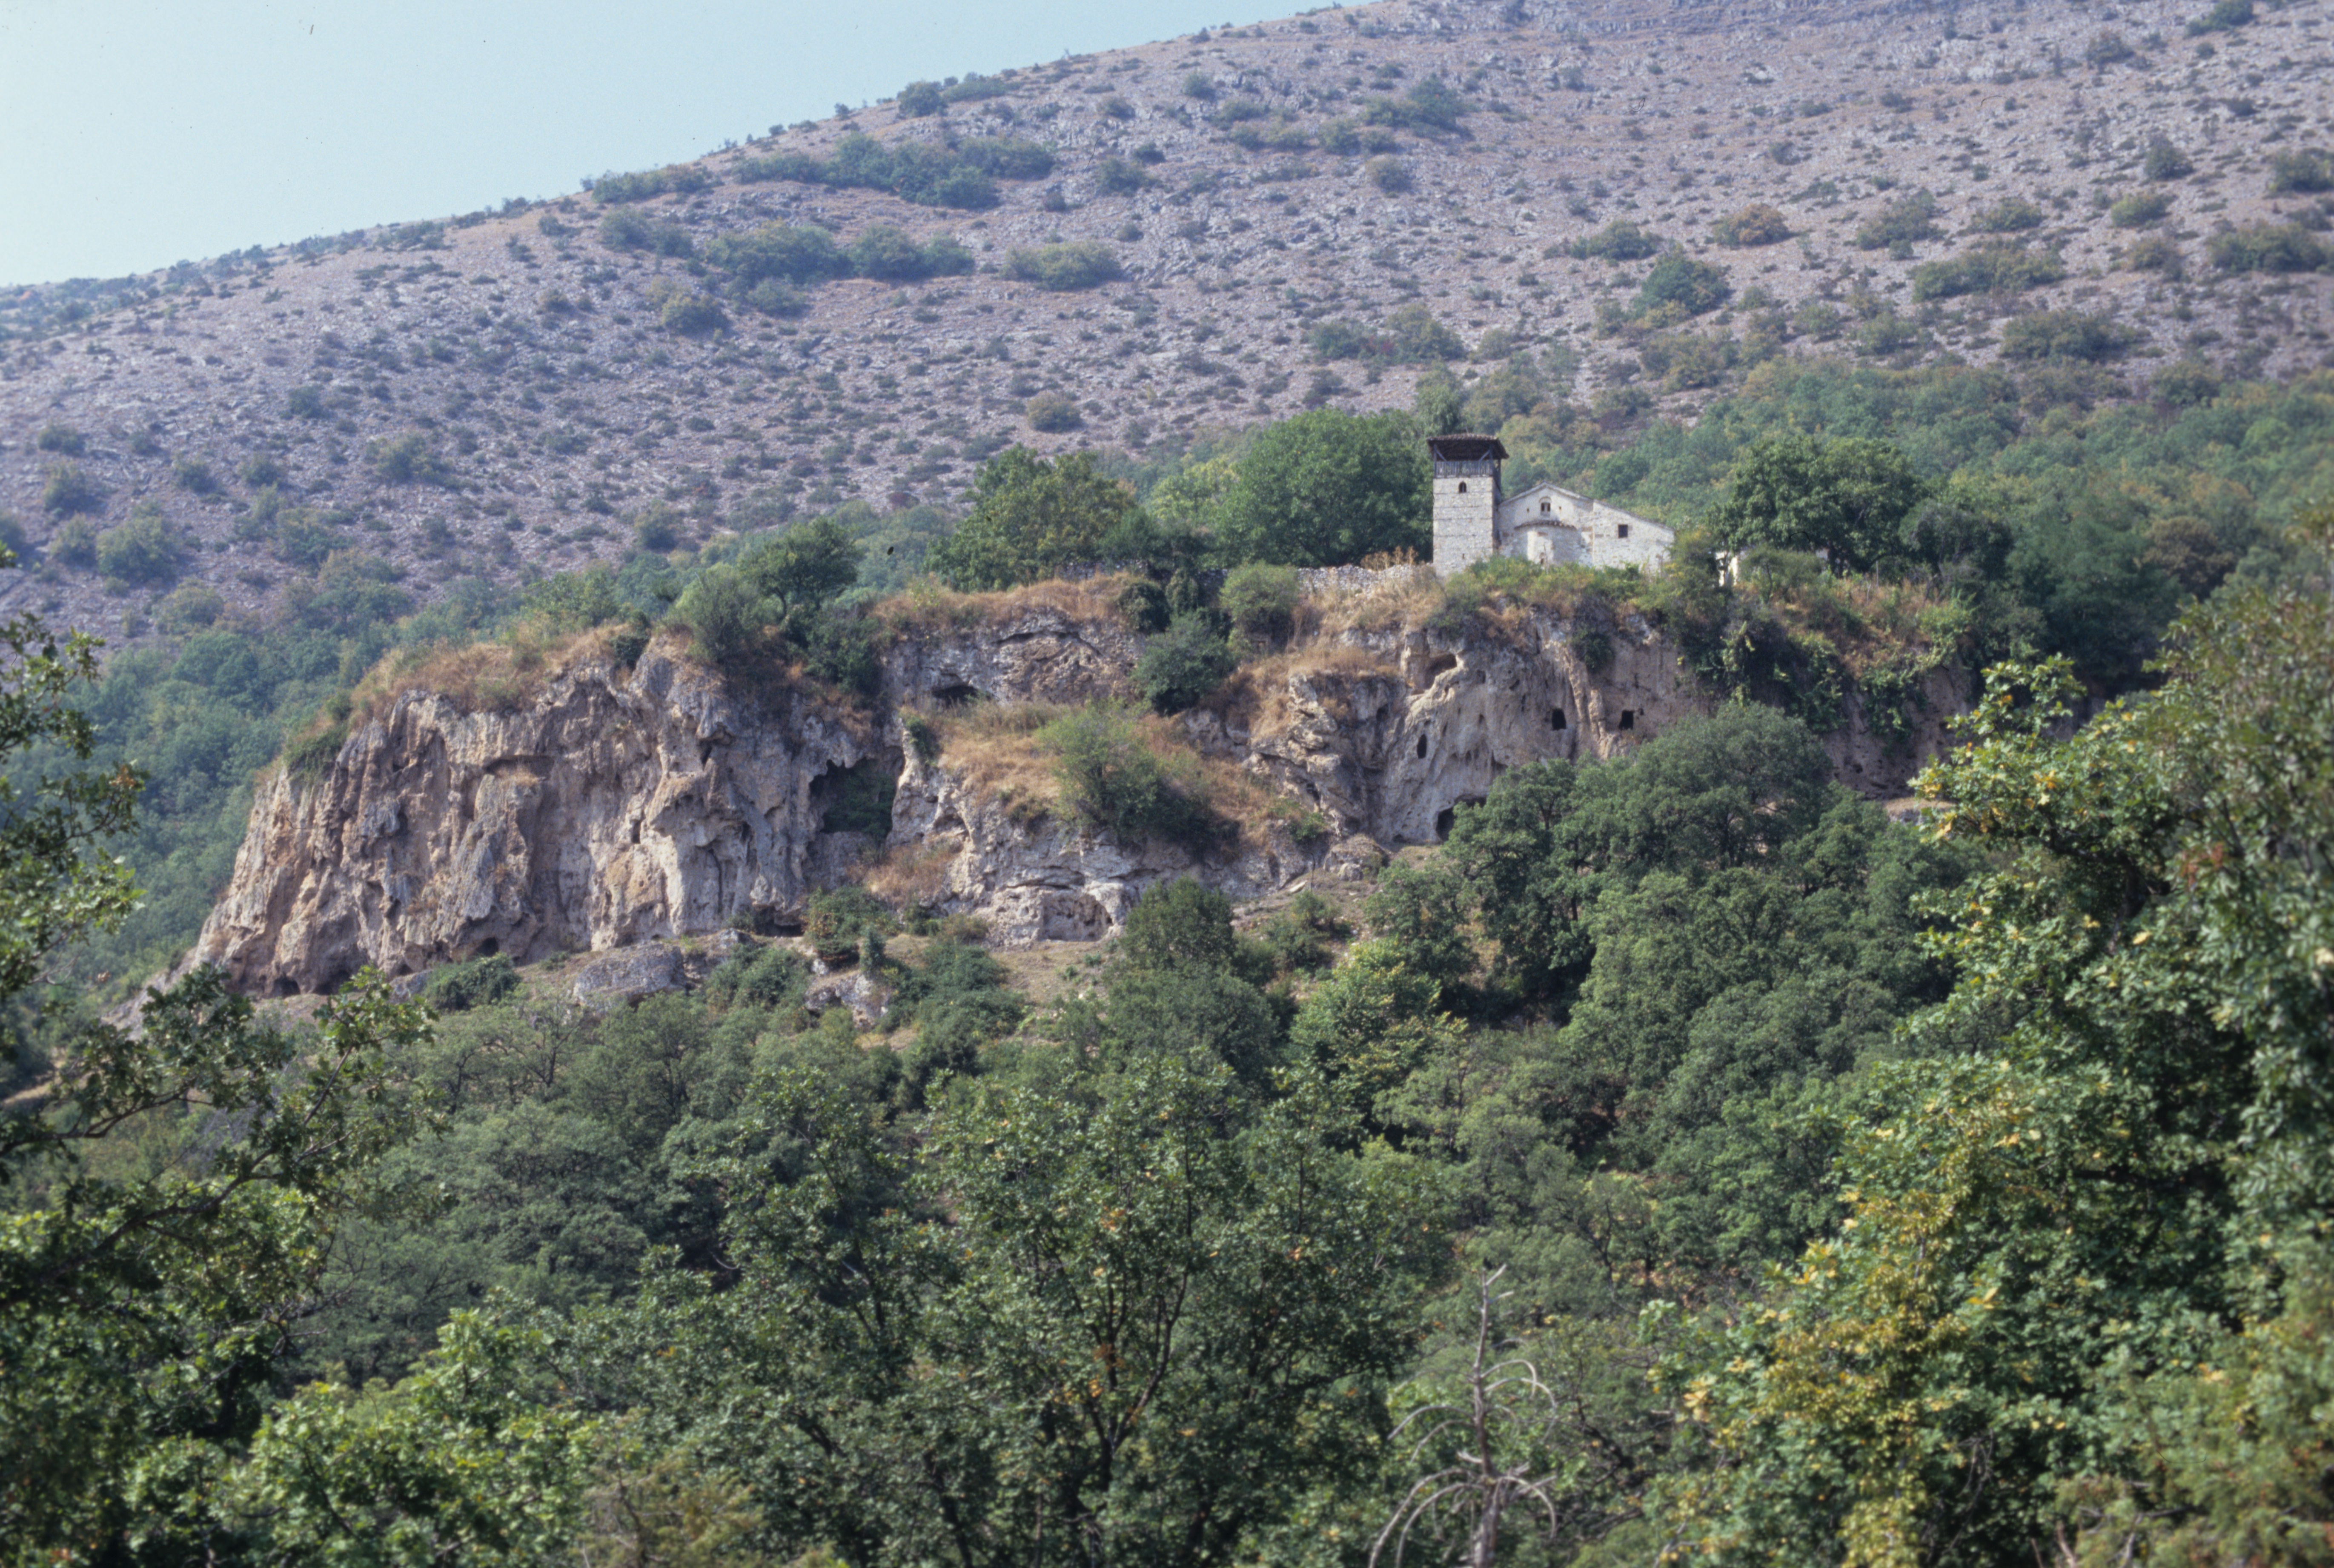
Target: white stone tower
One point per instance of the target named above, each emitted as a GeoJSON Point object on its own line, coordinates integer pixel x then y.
{"type": "Point", "coordinates": [1466, 500]}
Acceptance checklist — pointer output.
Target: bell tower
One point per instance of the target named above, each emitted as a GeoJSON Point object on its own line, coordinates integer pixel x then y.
{"type": "Point", "coordinates": [1466, 500]}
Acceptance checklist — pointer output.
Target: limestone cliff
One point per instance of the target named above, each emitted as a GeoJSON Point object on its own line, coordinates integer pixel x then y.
{"type": "Point", "coordinates": [608, 806]}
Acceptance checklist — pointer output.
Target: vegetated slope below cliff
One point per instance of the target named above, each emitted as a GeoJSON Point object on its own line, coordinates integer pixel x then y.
{"type": "Point", "coordinates": [500, 391]}
{"type": "Point", "coordinates": [605, 804]}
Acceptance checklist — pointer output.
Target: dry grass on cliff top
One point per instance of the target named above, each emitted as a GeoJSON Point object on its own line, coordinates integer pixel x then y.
{"type": "Point", "coordinates": [929, 607]}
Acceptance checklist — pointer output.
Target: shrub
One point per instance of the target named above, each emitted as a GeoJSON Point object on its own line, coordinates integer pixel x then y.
{"type": "Point", "coordinates": [2310, 170]}
{"type": "Point", "coordinates": [1680, 287]}
{"type": "Point", "coordinates": [62, 439]}
{"type": "Point", "coordinates": [473, 983]}
{"type": "Point", "coordinates": [193, 606]}
{"type": "Point", "coordinates": [676, 179]}
{"type": "Point", "coordinates": [658, 529]}
{"type": "Point", "coordinates": [2225, 17]}
{"type": "Point", "coordinates": [260, 470]}
{"type": "Point", "coordinates": [758, 976]}
{"type": "Point", "coordinates": [1180, 923]}
{"type": "Point", "coordinates": [2065, 335]}
{"type": "Point", "coordinates": [1114, 107]}
{"type": "Point", "coordinates": [691, 313]}
{"type": "Point", "coordinates": [144, 549]}
{"type": "Point", "coordinates": [2158, 252]}
{"type": "Point", "coordinates": [1903, 222]}
{"type": "Point", "coordinates": [1143, 604]}
{"type": "Point", "coordinates": [2108, 49]}
{"type": "Point", "coordinates": [723, 615]}
{"type": "Point", "coordinates": [194, 474]}
{"type": "Point", "coordinates": [408, 459]}
{"type": "Point", "coordinates": [786, 252]}
{"type": "Point", "coordinates": [834, 922]}
{"type": "Point", "coordinates": [1054, 413]}
{"type": "Point", "coordinates": [1618, 241]}
{"type": "Point", "coordinates": [1756, 224]}
{"type": "Point", "coordinates": [1988, 270]}
{"type": "Point", "coordinates": [1390, 174]}
{"type": "Point", "coordinates": [2165, 161]}
{"type": "Point", "coordinates": [1261, 601]}
{"type": "Point", "coordinates": [1076, 265]}
{"type": "Point", "coordinates": [2139, 209]}
{"type": "Point", "coordinates": [69, 491]}
{"type": "Point", "coordinates": [1113, 780]}
{"type": "Point", "coordinates": [2012, 217]}
{"type": "Point", "coordinates": [919, 99]}
{"type": "Point", "coordinates": [75, 543]}
{"type": "Point", "coordinates": [305, 403]}
{"type": "Point", "coordinates": [1183, 664]}
{"type": "Point", "coordinates": [2268, 247]}
{"type": "Point", "coordinates": [1116, 177]}
{"type": "Point", "coordinates": [1199, 84]}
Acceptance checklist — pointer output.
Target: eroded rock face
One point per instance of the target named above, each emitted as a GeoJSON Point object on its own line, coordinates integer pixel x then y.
{"type": "Point", "coordinates": [613, 807]}
{"type": "Point", "coordinates": [619, 806]}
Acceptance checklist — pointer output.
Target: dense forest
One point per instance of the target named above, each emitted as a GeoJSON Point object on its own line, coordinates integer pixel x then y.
{"type": "Point", "coordinates": [1683, 1160]}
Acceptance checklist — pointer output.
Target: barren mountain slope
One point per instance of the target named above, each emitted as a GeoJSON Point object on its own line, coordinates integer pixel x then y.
{"type": "Point", "coordinates": [499, 392]}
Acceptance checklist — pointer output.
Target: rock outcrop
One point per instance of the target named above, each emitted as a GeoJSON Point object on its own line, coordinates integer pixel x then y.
{"type": "Point", "coordinates": [614, 807]}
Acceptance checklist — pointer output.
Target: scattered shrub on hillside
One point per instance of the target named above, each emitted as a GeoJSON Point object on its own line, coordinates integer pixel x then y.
{"type": "Point", "coordinates": [1199, 84]}
{"type": "Point", "coordinates": [2139, 209]}
{"type": "Point", "coordinates": [1412, 335]}
{"type": "Point", "coordinates": [686, 311]}
{"type": "Point", "coordinates": [62, 439]}
{"type": "Point", "coordinates": [1181, 666]}
{"type": "Point", "coordinates": [1053, 413]}
{"type": "Point", "coordinates": [834, 922]}
{"type": "Point", "coordinates": [1756, 224]}
{"type": "Point", "coordinates": [69, 491]}
{"type": "Point", "coordinates": [2165, 161]}
{"type": "Point", "coordinates": [919, 99]}
{"type": "Point", "coordinates": [1261, 601]}
{"type": "Point", "coordinates": [2013, 216]}
{"type": "Point", "coordinates": [408, 459]}
{"type": "Point", "coordinates": [145, 549]}
{"type": "Point", "coordinates": [2066, 336]}
{"type": "Point", "coordinates": [2309, 170]}
{"type": "Point", "coordinates": [195, 476]}
{"type": "Point", "coordinates": [1906, 221]}
{"type": "Point", "coordinates": [2268, 247]}
{"type": "Point", "coordinates": [306, 403]}
{"type": "Point", "coordinates": [1112, 778]}
{"type": "Point", "coordinates": [676, 179]}
{"type": "Point", "coordinates": [1618, 241]}
{"type": "Point", "coordinates": [2225, 17]}
{"type": "Point", "coordinates": [2158, 253]}
{"type": "Point", "coordinates": [1390, 174]}
{"type": "Point", "coordinates": [1679, 287]}
{"type": "Point", "coordinates": [1073, 264]}
{"type": "Point", "coordinates": [75, 543]}
{"type": "Point", "coordinates": [1989, 270]}
{"type": "Point", "coordinates": [473, 983]}
{"type": "Point", "coordinates": [1430, 105]}
{"type": "Point", "coordinates": [770, 978]}
{"type": "Point", "coordinates": [258, 471]}
{"type": "Point", "coordinates": [1116, 177]}
{"type": "Point", "coordinates": [962, 176]}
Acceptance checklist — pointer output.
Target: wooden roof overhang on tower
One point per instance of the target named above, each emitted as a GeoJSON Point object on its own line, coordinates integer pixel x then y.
{"type": "Point", "coordinates": [1466, 449]}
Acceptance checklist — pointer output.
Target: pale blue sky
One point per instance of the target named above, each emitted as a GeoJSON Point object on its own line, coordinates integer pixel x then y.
{"type": "Point", "coordinates": [135, 134]}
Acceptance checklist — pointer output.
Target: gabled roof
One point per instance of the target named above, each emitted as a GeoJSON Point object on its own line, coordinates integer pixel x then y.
{"type": "Point", "coordinates": [1465, 449]}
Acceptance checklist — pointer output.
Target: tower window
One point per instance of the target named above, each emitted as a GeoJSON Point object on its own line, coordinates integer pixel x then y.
{"type": "Point", "coordinates": [1462, 487]}
{"type": "Point", "coordinates": [1620, 531]}
{"type": "Point", "coordinates": [1547, 506]}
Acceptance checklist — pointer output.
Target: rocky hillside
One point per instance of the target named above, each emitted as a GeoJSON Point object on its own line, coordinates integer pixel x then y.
{"type": "Point", "coordinates": [1316, 210]}
{"type": "Point", "coordinates": [589, 805]}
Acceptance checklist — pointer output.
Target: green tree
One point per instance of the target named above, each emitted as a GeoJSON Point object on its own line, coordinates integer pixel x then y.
{"type": "Point", "coordinates": [1326, 488]}
{"type": "Point", "coordinates": [804, 568]}
{"type": "Point", "coordinates": [1030, 517]}
{"type": "Point", "coordinates": [1136, 1326]}
{"type": "Point", "coordinates": [2054, 1246]}
{"type": "Point", "coordinates": [1848, 497]}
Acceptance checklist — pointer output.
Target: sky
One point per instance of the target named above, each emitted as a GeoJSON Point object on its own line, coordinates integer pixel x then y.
{"type": "Point", "coordinates": [134, 135]}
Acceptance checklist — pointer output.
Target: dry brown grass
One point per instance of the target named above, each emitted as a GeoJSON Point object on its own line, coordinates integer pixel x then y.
{"type": "Point", "coordinates": [930, 607]}
{"type": "Point", "coordinates": [479, 677]}
{"type": "Point", "coordinates": [993, 748]}
{"type": "Point", "coordinates": [1256, 694]}
{"type": "Point", "coordinates": [1392, 605]}
{"type": "Point", "coordinates": [911, 876]}
{"type": "Point", "coordinates": [1867, 623]}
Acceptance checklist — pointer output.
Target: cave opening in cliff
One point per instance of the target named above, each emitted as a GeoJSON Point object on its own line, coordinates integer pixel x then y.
{"type": "Point", "coordinates": [855, 800]}
{"type": "Point", "coordinates": [959, 695]}
{"type": "Point", "coordinates": [1555, 718]}
{"type": "Point", "coordinates": [1421, 743]}
{"type": "Point", "coordinates": [1628, 718]}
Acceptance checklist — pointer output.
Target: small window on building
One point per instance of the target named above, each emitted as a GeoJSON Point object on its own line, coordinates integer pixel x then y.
{"type": "Point", "coordinates": [1462, 487]}
{"type": "Point", "coordinates": [1548, 505]}
{"type": "Point", "coordinates": [1620, 531]}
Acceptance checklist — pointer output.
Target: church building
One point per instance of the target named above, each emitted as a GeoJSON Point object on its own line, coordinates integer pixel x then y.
{"type": "Point", "coordinates": [1547, 523]}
